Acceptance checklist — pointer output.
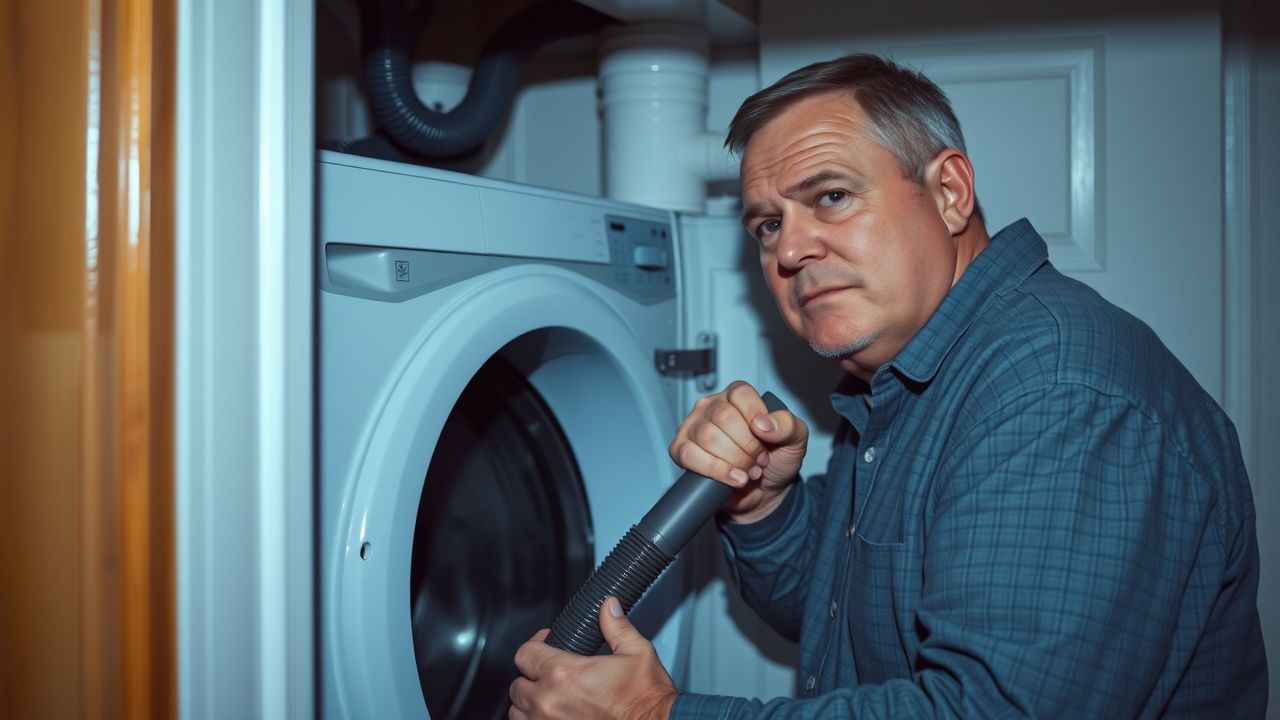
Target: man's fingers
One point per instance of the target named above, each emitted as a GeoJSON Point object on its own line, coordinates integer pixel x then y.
{"type": "Point", "coordinates": [520, 691]}
{"type": "Point", "coordinates": [733, 422]}
{"type": "Point", "coordinates": [745, 398]}
{"type": "Point", "coordinates": [732, 437]}
{"type": "Point", "coordinates": [715, 411]}
{"type": "Point", "coordinates": [690, 456]}
{"type": "Point", "coordinates": [780, 427]}
{"type": "Point", "coordinates": [717, 440]}
{"type": "Point", "coordinates": [719, 428]}
{"type": "Point", "coordinates": [787, 429]}
{"type": "Point", "coordinates": [531, 655]}
{"type": "Point", "coordinates": [622, 636]}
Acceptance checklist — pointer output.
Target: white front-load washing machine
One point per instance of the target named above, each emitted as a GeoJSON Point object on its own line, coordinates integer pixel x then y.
{"type": "Point", "coordinates": [491, 422]}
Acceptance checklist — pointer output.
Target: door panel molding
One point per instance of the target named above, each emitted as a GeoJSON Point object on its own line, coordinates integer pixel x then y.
{"type": "Point", "coordinates": [1057, 84]}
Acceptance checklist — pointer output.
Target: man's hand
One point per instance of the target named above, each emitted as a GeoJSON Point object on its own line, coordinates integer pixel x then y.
{"type": "Point", "coordinates": [631, 683]}
{"type": "Point", "coordinates": [731, 437]}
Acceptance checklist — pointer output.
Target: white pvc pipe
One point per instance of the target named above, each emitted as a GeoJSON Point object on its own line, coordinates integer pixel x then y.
{"type": "Point", "coordinates": [706, 156]}
{"type": "Point", "coordinates": [440, 86]}
{"type": "Point", "coordinates": [653, 81]}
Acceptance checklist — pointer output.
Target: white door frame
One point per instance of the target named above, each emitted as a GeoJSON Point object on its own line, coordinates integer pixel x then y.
{"type": "Point", "coordinates": [1249, 349]}
{"type": "Point", "coordinates": [243, 421]}
{"type": "Point", "coordinates": [1239, 241]}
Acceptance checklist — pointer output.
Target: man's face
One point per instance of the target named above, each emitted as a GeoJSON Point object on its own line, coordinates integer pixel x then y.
{"type": "Point", "coordinates": [856, 254]}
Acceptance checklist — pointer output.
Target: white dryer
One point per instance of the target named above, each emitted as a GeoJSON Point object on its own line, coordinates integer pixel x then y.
{"type": "Point", "coordinates": [491, 423]}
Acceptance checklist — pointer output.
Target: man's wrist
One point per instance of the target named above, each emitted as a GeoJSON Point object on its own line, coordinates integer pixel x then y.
{"type": "Point", "coordinates": [761, 511]}
{"type": "Point", "coordinates": [660, 709]}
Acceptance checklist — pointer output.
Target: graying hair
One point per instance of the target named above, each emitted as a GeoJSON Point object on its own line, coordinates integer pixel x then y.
{"type": "Point", "coordinates": [906, 112]}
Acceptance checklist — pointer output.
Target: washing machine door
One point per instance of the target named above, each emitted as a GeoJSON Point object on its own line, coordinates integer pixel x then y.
{"type": "Point", "coordinates": [502, 540]}
{"type": "Point", "coordinates": [522, 434]}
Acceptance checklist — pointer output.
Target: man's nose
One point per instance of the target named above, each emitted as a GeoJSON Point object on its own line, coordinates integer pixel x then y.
{"type": "Point", "coordinates": [800, 242]}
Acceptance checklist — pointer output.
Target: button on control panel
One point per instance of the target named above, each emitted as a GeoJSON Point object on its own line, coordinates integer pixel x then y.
{"type": "Point", "coordinates": [649, 257]}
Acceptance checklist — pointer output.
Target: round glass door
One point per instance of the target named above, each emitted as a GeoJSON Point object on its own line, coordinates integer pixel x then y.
{"type": "Point", "coordinates": [503, 538]}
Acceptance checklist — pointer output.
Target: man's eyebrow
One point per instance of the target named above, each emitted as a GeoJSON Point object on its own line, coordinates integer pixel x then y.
{"type": "Point", "coordinates": [761, 208]}
{"type": "Point", "coordinates": [814, 180]}
{"type": "Point", "coordinates": [753, 211]}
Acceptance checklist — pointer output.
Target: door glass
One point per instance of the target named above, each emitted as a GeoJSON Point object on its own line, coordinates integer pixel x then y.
{"type": "Point", "coordinates": [503, 539]}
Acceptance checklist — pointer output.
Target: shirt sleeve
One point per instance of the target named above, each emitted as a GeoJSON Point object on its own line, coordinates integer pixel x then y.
{"type": "Point", "coordinates": [1066, 536]}
{"type": "Point", "coordinates": [769, 560]}
{"type": "Point", "coordinates": [1068, 532]}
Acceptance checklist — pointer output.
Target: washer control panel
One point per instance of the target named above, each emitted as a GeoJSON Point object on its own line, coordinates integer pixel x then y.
{"type": "Point", "coordinates": [641, 255]}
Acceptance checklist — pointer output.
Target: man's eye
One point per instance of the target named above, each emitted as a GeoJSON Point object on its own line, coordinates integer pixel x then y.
{"type": "Point", "coordinates": [831, 198]}
{"type": "Point", "coordinates": [768, 227]}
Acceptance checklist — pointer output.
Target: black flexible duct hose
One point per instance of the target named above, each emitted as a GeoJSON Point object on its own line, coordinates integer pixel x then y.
{"type": "Point", "coordinates": [387, 64]}
{"type": "Point", "coordinates": [641, 555]}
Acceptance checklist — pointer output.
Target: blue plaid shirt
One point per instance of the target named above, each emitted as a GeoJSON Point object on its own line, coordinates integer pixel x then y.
{"type": "Point", "coordinates": [1034, 510]}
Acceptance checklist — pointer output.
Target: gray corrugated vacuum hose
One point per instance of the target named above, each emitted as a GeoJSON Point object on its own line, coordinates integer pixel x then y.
{"type": "Point", "coordinates": [641, 555]}
{"type": "Point", "coordinates": [386, 55]}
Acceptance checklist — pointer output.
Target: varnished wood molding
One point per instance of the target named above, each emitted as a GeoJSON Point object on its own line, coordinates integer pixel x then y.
{"type": "Point", "coordinates": [86, 246]}
{"type": "Point", "coordinates": [137, 232]}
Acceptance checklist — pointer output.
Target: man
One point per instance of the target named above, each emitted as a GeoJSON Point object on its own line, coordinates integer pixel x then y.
{"type": "Point", "coordinates": [1032, 510]}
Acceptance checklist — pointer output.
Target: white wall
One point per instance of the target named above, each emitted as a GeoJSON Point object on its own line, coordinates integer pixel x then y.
{"type": "Point", "coordinates": [553, 137]}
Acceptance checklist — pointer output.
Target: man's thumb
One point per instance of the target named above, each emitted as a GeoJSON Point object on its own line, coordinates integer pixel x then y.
{"type": "Point", "coordinates": [622, 636]}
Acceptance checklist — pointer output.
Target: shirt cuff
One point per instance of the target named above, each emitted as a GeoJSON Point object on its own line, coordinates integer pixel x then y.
{"type": "Point", "coordinates": [691, 706]}
{"type": "Point", "coordinates": [768, 528]}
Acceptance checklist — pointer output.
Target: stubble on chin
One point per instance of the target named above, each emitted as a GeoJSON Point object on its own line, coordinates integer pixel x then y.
{"type": "Point", "coordinates": [854, 347]}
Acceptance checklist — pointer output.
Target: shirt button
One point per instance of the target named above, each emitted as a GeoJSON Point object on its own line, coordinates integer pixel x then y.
{"type": "Point", "coordinates": [848, 531]}
{"type": "Point", "coordinates": [810, 683]}
{"type": "Point", "coordinates": [832, 611]}
{"type": "Point", "coordinates": [870, 454]}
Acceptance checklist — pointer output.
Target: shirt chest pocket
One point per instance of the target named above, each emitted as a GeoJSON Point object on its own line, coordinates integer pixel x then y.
{"type": "Point", "coordinates": [880, 627]}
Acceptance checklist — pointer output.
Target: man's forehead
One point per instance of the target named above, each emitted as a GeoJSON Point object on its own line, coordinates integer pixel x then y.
{"type": "Point", "coordinates": [803, 143]}
{"type": "Point", "coordinates": [833, 107]}
{"type": "Point", "coordinates": [831, 117]}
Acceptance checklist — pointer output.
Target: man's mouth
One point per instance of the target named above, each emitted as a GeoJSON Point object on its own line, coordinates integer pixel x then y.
{"type": "Point", "coordinates": [819, 294]}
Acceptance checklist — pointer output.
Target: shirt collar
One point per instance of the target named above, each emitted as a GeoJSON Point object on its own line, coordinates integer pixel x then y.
{"type": "Point", "coordinates": [851, 399]}
{"type": "Point", "coordinates": [1013, 255]}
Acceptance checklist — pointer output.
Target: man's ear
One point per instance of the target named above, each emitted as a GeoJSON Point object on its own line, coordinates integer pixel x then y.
{"type": "Point", "coordinates": [950, 177]}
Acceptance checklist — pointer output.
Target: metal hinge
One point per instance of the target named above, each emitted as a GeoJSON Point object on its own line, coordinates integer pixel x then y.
{"type": "Point", "coordinates": [700, 362]}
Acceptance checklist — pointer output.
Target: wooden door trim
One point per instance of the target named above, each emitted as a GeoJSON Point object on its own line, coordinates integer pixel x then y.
{"type": "Point", "coordinates": [128, 480]}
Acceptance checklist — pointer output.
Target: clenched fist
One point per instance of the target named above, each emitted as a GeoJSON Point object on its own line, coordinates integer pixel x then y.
{"type": "Point", "coordinates": [731, 437]}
